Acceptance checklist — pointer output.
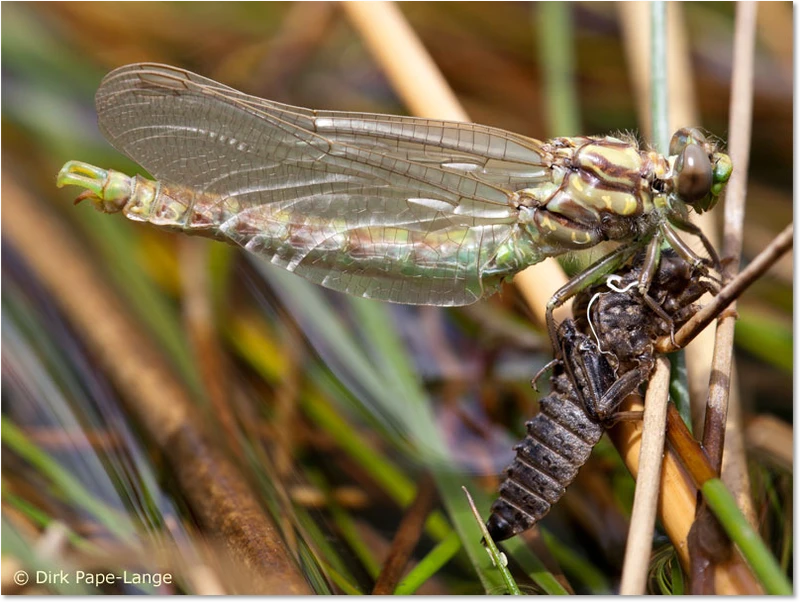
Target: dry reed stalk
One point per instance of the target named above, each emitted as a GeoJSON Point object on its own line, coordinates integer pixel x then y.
{"type": "Point", "coordinates": [732, 576]}
{"type": "Point", "coordinates": [682, 112]}
{"type": "Point", "coordinates": [683, 466]}
{"type": "Point", "coordinates": [718, 419]}
{"type": "Point", "coordinates": [636, 566]}
{"type": "Point", "coordinates": [677, 495]}
{"type": "Point", "coordinates": [777, 248]}
{"type": "Point", "coordinates": [740, 128]}
{"type": "Point", "coordinates": [639, 548]}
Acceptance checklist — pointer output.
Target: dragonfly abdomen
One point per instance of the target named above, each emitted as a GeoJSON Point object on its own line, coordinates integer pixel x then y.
{"type": "Point", "coordinates": [165, 205]}
{"type": "Point", "coordinates": [460, 265]}
{"type": "Point", "coordinates": [178, 208]}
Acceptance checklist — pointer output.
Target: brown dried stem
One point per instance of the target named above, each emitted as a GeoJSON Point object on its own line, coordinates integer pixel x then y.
{"type": "Point", "coordinates": [677, 495]}
{"type": "Point", "coordinates": [404, 60]}
{"type": "Point", "coordinates": [719, 391]}
{"type": "Point", "coordinates": [683, 111]}
{"type": "Point", "coordinates": [740, 128]}
{"type": "Point", "coordinates": [155, 397]}
{"type": "Point", "coordinates": [198, 316]}
{"type": "Point", "coordinates": [684, 467]}
{"type": "Point", "coordinates": [692, 455]}
{"type": "Point", "coordinates": [779, 246]}
{"type": "Point", "coordinates": [682, 106]}
{"type": "Point", "coordinates": [406, 538]}
{"type": "Point", "coordinates": [732, 574]}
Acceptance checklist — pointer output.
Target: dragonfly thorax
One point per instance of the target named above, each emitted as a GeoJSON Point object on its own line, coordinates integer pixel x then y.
{"type": "Point", "coordinates": [600, 189]}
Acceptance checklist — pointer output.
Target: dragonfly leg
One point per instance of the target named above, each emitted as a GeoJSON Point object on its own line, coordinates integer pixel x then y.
{"type": "Point", "coordinates": [616, 393]}
{"type": "Point", "coordinates": [549, 365]}
{"type": "Point", "coordinates": [587, 369]}
{"type": "Point", "coordinates": [685, 252]}
{"type": "Point", "coordinates": [605, 265]}
{"type": "Point", "coordinates": [689, 227]}
{"type": "Point", "coordinates": [651, 263]}
{"type": "Point", "coordinates": [629, 416]}
{"type": "Point", "coordinates": [652, 258]}
{"type": "Point", "coordinates": [663, 315]}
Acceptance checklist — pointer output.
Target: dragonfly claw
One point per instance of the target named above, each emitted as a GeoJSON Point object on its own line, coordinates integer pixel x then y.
{"type": "Point", "coordinates": [108, 190]}
{"type": "Point", "coordinates": [86, 194]}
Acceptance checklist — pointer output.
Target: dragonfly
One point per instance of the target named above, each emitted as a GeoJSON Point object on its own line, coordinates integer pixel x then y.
{"type": "Point", "coordinates": [400, 209]}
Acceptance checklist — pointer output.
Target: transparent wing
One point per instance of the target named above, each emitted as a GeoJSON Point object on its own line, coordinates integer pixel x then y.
{"type": "Point", "coordinates": [398, 181]}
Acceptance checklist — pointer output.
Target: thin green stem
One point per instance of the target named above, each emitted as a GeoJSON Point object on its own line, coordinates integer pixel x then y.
{"type": "Point", "coordinates": [575, 565]}
{"type": "Point", "coordinates": [554, 32]}
{"type": "Point", "coordinates": [499, 560]}
{"type": "Point", "coordinates": [658, 71]}
{"type": "Point", "coordinates": [429, 565]}
{"type": "Point", "coordinates": [342, 583]}
{"type": "Point", "coordinates": [679, 387]}
{"type": "Point", "coordinates": [72, 489]}
{"type": "Point", "coordinates": [749, 542]}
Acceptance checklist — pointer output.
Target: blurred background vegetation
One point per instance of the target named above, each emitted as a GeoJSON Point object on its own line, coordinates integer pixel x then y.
{"type": "Point", "coordinates": [334, 410]}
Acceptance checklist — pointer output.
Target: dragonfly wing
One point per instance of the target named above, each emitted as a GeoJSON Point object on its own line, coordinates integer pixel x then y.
{"type": "Point", "coordinates": [330, 181]}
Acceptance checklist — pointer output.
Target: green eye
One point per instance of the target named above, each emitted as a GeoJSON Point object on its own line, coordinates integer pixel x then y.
{"type": "Point", "coordinates": [723, 168]}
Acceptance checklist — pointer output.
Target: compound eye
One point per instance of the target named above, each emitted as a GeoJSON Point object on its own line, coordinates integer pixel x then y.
{"type": "Point", "coordinates": [695, 175]}
{"type": "Point", "coordinates": [684, 137]}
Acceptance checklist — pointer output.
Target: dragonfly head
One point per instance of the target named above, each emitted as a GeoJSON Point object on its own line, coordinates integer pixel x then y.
{"type": "Point", "coordinates": [700, 171]}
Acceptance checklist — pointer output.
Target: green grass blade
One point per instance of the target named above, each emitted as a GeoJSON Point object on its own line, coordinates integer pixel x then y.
{"type": "Point", "coordinates": [658, 75]}
{"type": "Point", "coordinates": [576, 566]}
{"type": "Point", "coordinates": [679, 387]}
{"type": "Point", "coordinates": [764, 565]}
{"type": "Point", "coordinates": [556, 43]}
{"type": "Point", "coordinates": [16, 440]}
{"type": "Point", "coordinates": [429, 565]}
